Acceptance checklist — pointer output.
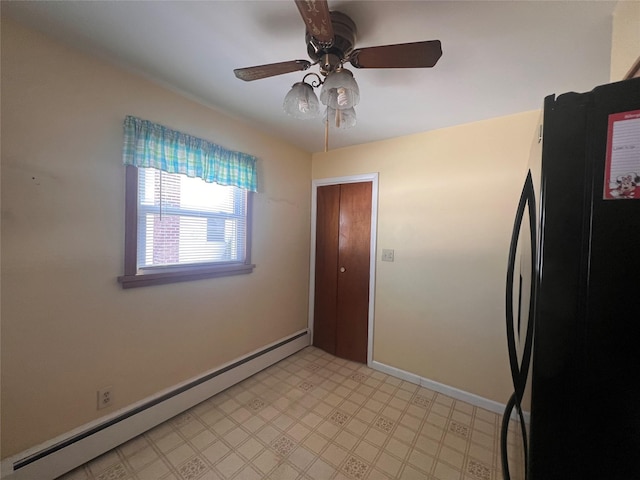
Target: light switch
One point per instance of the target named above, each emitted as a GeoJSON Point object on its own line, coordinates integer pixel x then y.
{"type": "Point", "coordinates": [387, 255]}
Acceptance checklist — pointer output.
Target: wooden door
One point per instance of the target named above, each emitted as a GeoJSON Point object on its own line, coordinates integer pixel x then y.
{"type": "Point", "coordinates": [326, 280]}
{"type": "Point", "coordinates": [343, 238]}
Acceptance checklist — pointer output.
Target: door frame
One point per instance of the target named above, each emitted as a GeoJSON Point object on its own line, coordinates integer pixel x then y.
{"type": "Point", "coordinates": [321, 182]}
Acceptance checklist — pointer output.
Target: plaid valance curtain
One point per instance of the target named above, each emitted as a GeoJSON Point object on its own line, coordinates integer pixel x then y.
{"type": "Point", "coordinates": [149, 145]}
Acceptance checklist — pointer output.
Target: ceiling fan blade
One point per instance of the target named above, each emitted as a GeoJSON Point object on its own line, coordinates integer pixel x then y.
{"type": "Point", "coordinates": [315, 14]}
{"type": "Point", "coordinates": [402, 55]}
{"type": "Point", "coordinates": [270, 70]}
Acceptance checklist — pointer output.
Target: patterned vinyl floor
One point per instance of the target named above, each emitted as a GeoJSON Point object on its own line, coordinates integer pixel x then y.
{"type": "Point", "coordinates": [313, 416]}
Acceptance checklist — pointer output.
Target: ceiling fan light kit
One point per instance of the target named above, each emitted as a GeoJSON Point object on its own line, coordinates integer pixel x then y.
{"type": "Point", "coordinates": [330, 38]}
{"type": "Point", "coordinates": [340, 90]}
{"type": "Point", "coordinates": [340, 93]}
{"type": "Point", "coordinates": [301, 101]}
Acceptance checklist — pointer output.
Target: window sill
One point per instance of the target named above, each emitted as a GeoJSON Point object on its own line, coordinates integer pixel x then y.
{"type": "Point", "coordinates": [183, 275]}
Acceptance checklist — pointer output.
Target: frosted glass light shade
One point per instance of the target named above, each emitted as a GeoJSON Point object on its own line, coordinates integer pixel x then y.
{"type": "Point", "coordinates": [301, 101]}
{"type": "Point", "coordinates": [340, 90]}
{"type": "Point", "coordinates": [341, 118]}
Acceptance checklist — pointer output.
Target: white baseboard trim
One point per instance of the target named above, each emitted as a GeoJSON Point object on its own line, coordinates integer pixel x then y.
{"type": "Point", "coordinates": [456, 393]}
{"type": "Point", "coordinates": [66, 452]}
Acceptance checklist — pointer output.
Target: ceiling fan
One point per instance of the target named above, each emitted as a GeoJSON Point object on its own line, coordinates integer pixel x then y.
{"type": "Point", "coordinates": [330, 38]}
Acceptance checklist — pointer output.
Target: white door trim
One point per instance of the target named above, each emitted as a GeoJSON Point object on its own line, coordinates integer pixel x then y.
{"type": "Point", "coordinates": [367, 177]}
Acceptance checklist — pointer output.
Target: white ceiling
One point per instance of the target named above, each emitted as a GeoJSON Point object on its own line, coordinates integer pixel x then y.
{"type": "Point", "coordinates": [499, 57]}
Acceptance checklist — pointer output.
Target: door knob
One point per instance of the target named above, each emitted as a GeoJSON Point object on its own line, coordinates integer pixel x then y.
{"type": "Point", "coordinates": [342, 269]}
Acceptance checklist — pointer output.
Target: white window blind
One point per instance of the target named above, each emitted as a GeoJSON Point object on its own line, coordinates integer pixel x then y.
{"type": "Point", "coordinates": [187, 221]}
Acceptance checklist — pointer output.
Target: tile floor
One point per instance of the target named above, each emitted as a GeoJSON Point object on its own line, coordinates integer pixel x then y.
{"type": "Point", "coordinates": [313, 416]}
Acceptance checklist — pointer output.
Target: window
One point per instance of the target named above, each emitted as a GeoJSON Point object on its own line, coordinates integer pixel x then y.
{"type": "Point", "coordinates": [180, 227]}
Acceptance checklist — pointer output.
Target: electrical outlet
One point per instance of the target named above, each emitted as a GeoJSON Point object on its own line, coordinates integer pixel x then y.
{"type": "Point", "coordinates": [105, 397]}
{"type": "Point", "coordinates": [387, 255]}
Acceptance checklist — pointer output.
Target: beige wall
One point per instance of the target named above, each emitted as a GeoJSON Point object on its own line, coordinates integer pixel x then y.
{"type": "Point", "coordinates": [625, 41]}
{"type": "Point", "coordinates": [446, 204]}
{"type": "Point", "coordinates": [67, 327]}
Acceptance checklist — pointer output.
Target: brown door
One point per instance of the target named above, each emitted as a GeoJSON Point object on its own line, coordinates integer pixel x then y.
{"type": "Point", "coordinates": [343, 236]}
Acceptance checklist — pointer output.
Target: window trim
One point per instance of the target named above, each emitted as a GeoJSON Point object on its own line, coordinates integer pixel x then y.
{"type": "Point", "coordinates": [133, 277]}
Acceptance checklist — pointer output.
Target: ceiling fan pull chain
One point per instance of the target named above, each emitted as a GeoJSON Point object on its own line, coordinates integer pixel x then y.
{"type": "Point", "coordinates": [326, 134]}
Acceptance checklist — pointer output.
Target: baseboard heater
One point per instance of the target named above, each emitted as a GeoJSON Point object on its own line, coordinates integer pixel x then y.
{"type": "Point", "coordinates": [65, 454]}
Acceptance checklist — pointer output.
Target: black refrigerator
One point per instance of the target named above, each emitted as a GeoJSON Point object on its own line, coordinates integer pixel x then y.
{"type": "Point", "coordinates": [573, 294]}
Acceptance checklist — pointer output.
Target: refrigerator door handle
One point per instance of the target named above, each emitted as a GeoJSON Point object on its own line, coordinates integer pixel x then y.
{"type": "Point", "coordinates": [519, 372]}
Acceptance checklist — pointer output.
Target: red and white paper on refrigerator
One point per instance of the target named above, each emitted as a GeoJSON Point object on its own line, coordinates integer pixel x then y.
{"type": "Point", "coordinates": [622, 171]}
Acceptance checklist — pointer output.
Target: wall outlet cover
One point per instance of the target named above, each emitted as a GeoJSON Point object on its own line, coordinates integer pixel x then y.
{"type": "Point", "coordinates": [105, 397]}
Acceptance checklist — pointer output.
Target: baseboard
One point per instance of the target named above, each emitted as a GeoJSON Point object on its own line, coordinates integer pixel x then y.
{"type": "Point", "coordinates": [64, 453]}
{"type": "Point", "coordinates": [456, 393]}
